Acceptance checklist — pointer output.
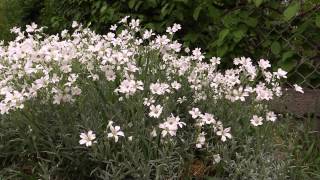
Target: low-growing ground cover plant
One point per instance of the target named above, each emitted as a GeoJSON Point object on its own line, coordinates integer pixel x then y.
{"type": "Point", "coordinates": [128, 104]}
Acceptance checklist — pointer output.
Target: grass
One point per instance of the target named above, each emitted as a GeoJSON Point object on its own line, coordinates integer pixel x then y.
{"type": "Point", "coordinates": [288, 149]}
{"type": "Point", "coordinates": [299, 139]}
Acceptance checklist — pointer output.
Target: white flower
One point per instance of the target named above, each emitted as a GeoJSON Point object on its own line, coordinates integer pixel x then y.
{"type": "Point", "coordinates": [134, 24]}
{"type": "Point", "coordinates": [113, 27]}
{"type": "Point", "coordinates": [263, 93]}
{"type": "Point", "coordinates": [171, 125]}
{"type": "Point", "coordinates": [153, 132]}
{"type": "Point", "coordinates": [298, 88]}
{"type": "Point", "coordinates": [173, 29]}
{"type": "Point", "coordinates": [147, 34]}
{"type": "Point", "coordinates": [159, 88]}
{"type": "Point", "coordinates": [148, 101]}
{"type": "Point", "coordinates": [201, 140]}
{"type": "Point", "coordinates": [129, 87]}
{"type": "Point", "coordinates": [197, 55]}
{"type": "Point", "coordinates": [115, 132]}
{"type": "Point", "coordinates": [124, 20]}
{"type": "Point", "coordinates": [215, 61]}
{"type": "Point", "coordinates": [264, 64]}
{"type": "Point", "coordinates": [256, 120]}
{"type": "Point", "coordinates": [31, 28]}
{"type": "Point", "coordinates": [237, 94]}
{"type": "Point", "coordinates": [155, 111]}
{"type": "Point", "coordinates": [75, 24]}
{"type": "Point", "coordinates": [281, 73]}
{"type": "Point", "coordinates": [224, 133]}
{"type": "Point", "coordinates": [182, 99]}
{"type": "Point", "coordinates": [162, 40]}
{"type": "Point", "coordinates": [130, 138]}
{"type": "Point", "coordinates": [216, 158]}
{"type": "Point", "coordinates": [208, 118]}
{"type": "Point", "coordinates": [195, 112]}
{"type": "Point", "coordinates": [271, 116]}
{"type": "Point", "coordinates": [175, 85]}
{"type": "Point", "coordinates": [87, 138]}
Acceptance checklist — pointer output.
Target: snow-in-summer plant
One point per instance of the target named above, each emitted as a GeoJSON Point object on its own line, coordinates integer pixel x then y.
{"type": "Point", "coordinates": [148, 86]}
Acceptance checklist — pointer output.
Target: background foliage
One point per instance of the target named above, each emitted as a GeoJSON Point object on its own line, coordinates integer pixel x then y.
{"type": "Point", "coordinates": [285, 32]}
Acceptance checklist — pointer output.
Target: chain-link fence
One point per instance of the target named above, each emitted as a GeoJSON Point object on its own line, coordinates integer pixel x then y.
{"type": "Point", "coordinates": [295, 46]}
{"type": "Point", "coordinates": [300, 40]}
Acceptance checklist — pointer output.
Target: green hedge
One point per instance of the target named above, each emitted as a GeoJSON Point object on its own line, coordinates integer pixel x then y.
{"type": "Point", "coordinates": [281, 31]}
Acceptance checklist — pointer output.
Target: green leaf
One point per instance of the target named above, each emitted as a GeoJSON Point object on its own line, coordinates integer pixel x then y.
{"type": "Point", "coordinates": [214, 13]}
{"type": "Point", "coordinates": [250, 21]}
{"type": "Point", "coordinates": [222, 50]}
{"type": "Point", "coordinates": [197, 12]}
{"type": "Point", "coordinates": [230, 20]}
{"type": "Point", "coordinates": [288, 65]}
{"type": "Point", "coordinates": [191, 37]}
{"type": "Point", "coordinates": [152, 3]}
{"type": "Point", "coordinates": [222, 36]}
{"type": "Point", "coordinates": [164, 11]}
{"type": "Point", "coordinates": [138, 5]}
{"type": "Point", "coordinates": [184, 1]}
{"type": "Point", "coordinates": [318, 20]}
{"type": "Point", "coordinates": [258, 2]}
{"type": "Point", "coordinates": [131, 3]}
{"type": "Point", "coordinates": [239, 34]}
{"type": "Point", "coordinates": [275, 48]}
{"type": "Point", "coordinates": [291, 11]}
{"type": "Point", "coordinates": [287, 55]}
{"type": "Point", "coordinates": [103, 9]}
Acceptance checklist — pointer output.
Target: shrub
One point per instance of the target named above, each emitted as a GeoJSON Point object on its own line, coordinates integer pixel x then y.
{"type": "Point", "coordinates": [144, 106]}
{"type": "Point", "coordinates": [285, 32]}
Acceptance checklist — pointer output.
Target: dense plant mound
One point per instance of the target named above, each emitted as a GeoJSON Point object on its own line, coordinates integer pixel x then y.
{"type": "Point", "coordinates": [141, 105]}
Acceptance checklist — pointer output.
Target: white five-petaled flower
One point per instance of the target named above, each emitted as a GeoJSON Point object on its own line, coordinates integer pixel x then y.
{"type": "Point", "coordinates": [264, 64]}
{"type": "Point", "coordinates": [115, 132]}
{"type": "Point", "coordinates": [195, 112]}
{"type": "Point", "coordinates": [208, 118]}
{"type": "Point", "coordinates": [87, 138]}
{"type": "Point", "coordinates": [281, 73]}
{"type": "Point", "coordinates": [215, 61]}
{"type": "Point", "coordinates": [171, 125]}
{"type": "Point", "coordinates": [298, 88]}
{"type": "Point", "coordinates": [175, 85]}
{"type": "Point", "coordinates": [271, 116]}
{"type": "Point", "coordinates": [224, 133]}
{"type": "Point", "coordinates": [256, 120]}
{"type": "Point", "coordinates": [197, 55]}
{"type": "Point", "coordinates": [113, 27]}
{"type": "Point", "coordinates": [147, 34]}
{"type": "Point", "coordinates": [155, 111]}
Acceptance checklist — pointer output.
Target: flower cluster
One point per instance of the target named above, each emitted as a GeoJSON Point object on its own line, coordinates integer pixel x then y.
{"type": "Point", "coordinates": [138, 65]}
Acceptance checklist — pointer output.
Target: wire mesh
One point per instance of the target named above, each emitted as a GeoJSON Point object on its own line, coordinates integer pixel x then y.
{"type": "Point", "coordinates": [300, 37]}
